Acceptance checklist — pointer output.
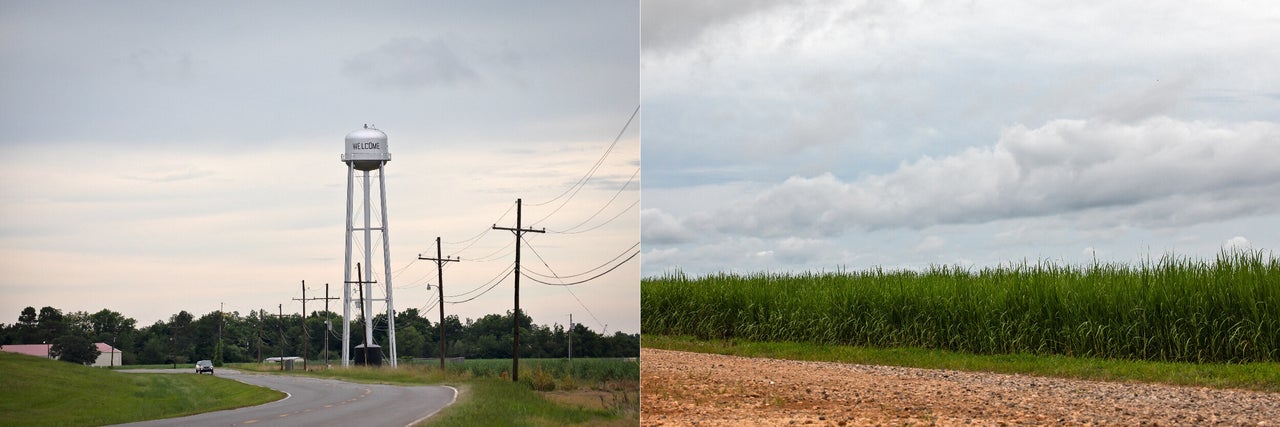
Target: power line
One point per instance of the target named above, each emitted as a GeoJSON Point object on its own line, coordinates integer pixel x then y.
{"type": "Point", "coordinates": [496, 279]}
{"type": "Point", "coordinates": [606, 222]}
{"type": "Point", "coordinates": [606, 204]}
{"type": "Point", "coordinates": [598, 162]}
{"type": "Point", "coordinates": [396, 274]}
{"type": "Point", "coordinates": [502, 252]}
{"type": "Point", "coordinates": [472, 241]}
{"type": "Point", "coordinates": [584, 280]}
{"type": "Point", "coordinates": [555, 276]}
{"type": "Point", "coordinates": [573, 190]}
{"type": "Point", "coordinates": [495, 284]}
{"type": "Point", "coordinates": [604, 328]}
{"type": "Point", "coordinates": [575, 296]}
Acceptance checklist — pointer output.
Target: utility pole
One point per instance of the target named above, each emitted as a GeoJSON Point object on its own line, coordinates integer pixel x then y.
{"type": "Point", "coordinates": [328, 326]}
{"type": "Point", "coordinates": [571, 342]}
{"type": "Point", "coordinates": [440, 260]}
{"type": "Point", "coordinates": [515, 317]}
{"type": "Point", "coordinates": [364, 311]}
{"type": "Point", "coordinates": [306, 334]}
{"type": "Point", "coordinates": [259, 315]}
{"type": "Point", "coordinates": [280, 328]}
{"type": "Point", "coordinates": [221, 308]}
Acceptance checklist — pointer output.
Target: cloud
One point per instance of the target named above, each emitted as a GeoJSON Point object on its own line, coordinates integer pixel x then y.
{"type": "Point", "coordinates": [1160, 172]}
{"type": "Point", "coordinates": [1238, 243]}
{"type": "Point", "coordinates": [930, 243]}
{"type": "Point", "coordinates": [410, 63]}
{"type": "Point", "coordinates": [673, 25]}
{"type": "Point", "coordinates": [793, 250]}
{"type": "Point", "coordinates": [658, 227]}
{"type": "Point", "coordinates": [184, 173]}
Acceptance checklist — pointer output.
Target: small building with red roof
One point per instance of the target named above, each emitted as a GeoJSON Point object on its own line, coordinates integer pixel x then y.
{"type": "Point", "coordinates": [108, 355]}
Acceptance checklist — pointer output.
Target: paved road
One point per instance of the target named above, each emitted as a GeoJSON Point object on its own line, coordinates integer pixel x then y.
{"type": "Point", "coordinates": [314, 401]}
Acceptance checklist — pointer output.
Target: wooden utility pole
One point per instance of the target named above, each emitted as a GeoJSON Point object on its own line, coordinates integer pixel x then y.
{"type": "Point", "coordinates": [280, 328]}
{"type": "Point", "coordinates": [360, 283]}
{"type": "Point", "coordinates": [327, 326]}
{"type": "Point", "coordinates": [259, 313]}
{"type": "Point", "coordinates": [515, 317]}
{"type": "Point", "coordinates": [221, 308]}
{"type": "Point", "coordinates": [440, 260]}
{"type": "Point", "coordinates": [306, 334]}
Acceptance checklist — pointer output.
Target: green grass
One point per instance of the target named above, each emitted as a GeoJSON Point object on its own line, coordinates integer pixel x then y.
{"type": "Point", "coordinates": [1263, 376]}
{"type": "Point", "coordinates": [585, 369]}
{"type": "Point", "coordinates": [494, 402]}
{"type": "Point", "coordinates": [42, 392]}
{"type": "Point", "coordinates": [1176, 310]}
{"type": "Point", "coordinates": [486, 399]}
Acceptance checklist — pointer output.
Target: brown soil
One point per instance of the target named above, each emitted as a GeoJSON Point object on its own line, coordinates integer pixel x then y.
{"type": "Point", "coordinates": [681, 389]}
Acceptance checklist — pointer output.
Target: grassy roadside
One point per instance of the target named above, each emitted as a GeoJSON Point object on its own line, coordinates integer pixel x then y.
{"type": "Point", "coordinates": [492, 401]}
{"type": "Point", "coordinates": [42, 392]}
{"type": "Point", "coordinates": [1252, 376]}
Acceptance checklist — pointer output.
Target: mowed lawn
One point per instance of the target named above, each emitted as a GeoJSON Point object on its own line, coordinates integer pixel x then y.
{"type": "Point", "coordinates": [42, 392]}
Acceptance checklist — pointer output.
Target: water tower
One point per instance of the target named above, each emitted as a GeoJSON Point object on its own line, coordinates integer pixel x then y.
{"type": "Point", "coordinates": [367, 151]}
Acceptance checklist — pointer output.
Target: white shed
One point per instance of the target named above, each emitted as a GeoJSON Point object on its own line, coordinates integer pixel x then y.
{"type": "Point", "coordinates": [108, 355]}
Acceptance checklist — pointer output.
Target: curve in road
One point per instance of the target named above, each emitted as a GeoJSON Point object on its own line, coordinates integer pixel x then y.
{"type": "Point", "coordinates": [315, 401]}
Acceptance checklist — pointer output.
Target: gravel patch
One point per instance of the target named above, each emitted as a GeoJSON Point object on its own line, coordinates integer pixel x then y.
{"type": "Point", "coordinates": [685, 389]}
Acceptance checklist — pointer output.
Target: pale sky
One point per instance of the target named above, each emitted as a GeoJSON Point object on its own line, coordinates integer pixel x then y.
{"type": "Point", "coordinates": [816, 135]}
{"type": "Point", "coordinates": [175, 156]}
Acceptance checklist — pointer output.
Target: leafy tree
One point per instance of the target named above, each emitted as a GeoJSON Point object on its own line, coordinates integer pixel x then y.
{"type": "Point", "coordinates": [452, 334]}
{"type": "Point", "coordinates": [25, 331]}
{"type": "Point", "coordinates": [77, 323]}
{"type": "Point", "coordinates": [27, 317]}
{"type": "Point", "coordinates": [74, 349]}
{"type": "Point", "coordinates": [155, 347]}
{"type": "Point", "coordinates": [50, 324]}
{"type": "Point", "coordinates": [184, 338]}
{"type": "Point", "coordinates": [409, 342]}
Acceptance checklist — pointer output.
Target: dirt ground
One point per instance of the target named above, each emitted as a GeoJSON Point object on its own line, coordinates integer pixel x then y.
{"type": "Point", "coordinates": [685, 389]}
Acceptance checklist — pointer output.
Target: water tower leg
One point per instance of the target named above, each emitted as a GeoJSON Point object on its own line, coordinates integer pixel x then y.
{"type": "Point", "coordinates": [346, 272]}
{"type": "Point", "coordinates": [386, 263]}
{"type": "Point", "coordinates": [368, 268]}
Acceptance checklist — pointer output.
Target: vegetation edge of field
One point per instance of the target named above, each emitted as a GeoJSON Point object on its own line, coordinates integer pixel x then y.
{"type": "Point", "coordinates": [1258, 376]}
{"type": "Point", "coordinates": [1174, 309]}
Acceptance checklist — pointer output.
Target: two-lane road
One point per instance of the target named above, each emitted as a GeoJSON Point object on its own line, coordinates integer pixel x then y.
{"type": "Point", "coordinates": [314, 401]}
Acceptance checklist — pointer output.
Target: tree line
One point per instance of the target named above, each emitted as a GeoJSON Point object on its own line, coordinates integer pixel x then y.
{"type": "Point", "coordinates": [259, 334]}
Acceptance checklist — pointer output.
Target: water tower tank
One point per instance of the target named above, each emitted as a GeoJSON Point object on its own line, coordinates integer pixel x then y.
{"type": "Point", "coordinates": [366, 149]}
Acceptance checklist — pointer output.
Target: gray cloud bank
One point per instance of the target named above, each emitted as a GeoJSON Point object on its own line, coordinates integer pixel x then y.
{"type": "Point", "coordinates": [1160, 172]}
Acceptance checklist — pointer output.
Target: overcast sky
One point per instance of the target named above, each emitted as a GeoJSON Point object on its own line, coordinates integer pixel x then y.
{"type": "Point", "coordinates": [174, 156]}
{"type": "Point", "coordinates": [812, 135]}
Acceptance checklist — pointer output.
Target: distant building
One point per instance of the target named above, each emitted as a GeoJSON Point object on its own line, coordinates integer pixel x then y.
{"type": "Point", "coordinates": [110, 356]}
{"type": "Point", "coordinates": [37, 350]}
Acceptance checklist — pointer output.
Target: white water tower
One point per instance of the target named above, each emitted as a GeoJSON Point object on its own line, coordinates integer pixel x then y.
{"type": "Point", "coordinates": [366, 151]}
